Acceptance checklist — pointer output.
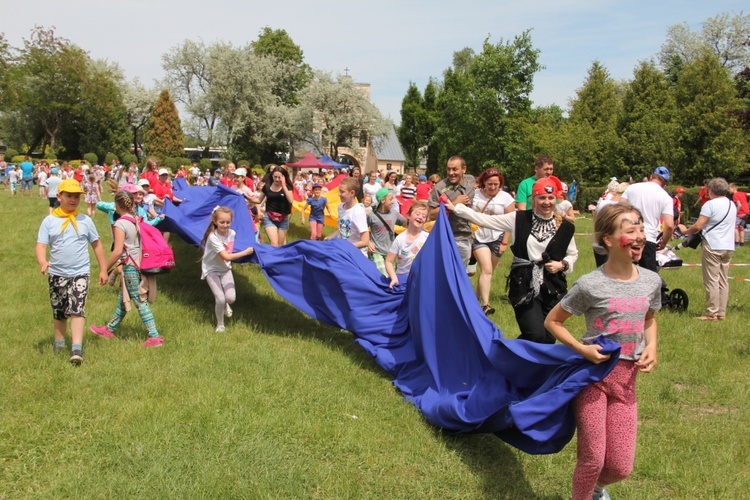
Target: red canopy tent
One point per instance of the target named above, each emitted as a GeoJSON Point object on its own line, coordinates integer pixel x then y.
{"type": "Point", "coordinates": [309, 162]}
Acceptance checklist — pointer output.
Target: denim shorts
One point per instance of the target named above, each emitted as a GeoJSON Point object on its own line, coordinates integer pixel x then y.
{"type": "Point", "coordinates": [283, 225]}
{"type": "Point", "coordinates": [494, 246]}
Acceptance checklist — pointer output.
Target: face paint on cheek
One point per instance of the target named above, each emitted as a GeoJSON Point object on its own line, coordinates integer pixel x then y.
{"type": "Point", "coordinates": [625, 242]}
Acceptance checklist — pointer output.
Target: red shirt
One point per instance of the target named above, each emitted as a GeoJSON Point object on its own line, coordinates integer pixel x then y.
{"type": "Point", "coordinates": [704, 195]}
{"type": "Point", "coordinates": [152, 177]}
{"type": "Point", "coordinates": [78, 175]}
{"type": "Point", "coordinates": [741, 198]}
{"type": "Point", "coordinates": [163, 191]}
{"type": "Point", "coordinates": [423, 190]}
{"type": "Point", "coordinates": [230, 183]}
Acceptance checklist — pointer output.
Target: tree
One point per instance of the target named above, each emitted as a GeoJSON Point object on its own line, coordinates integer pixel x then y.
{"type": "Point", "coordinates": [338, 113]}
{"type": "Point", "coordinates": [164, 137]}
{"type": "Point", "coordinates": [710, 138]}
{"type": "Point", "coordinates": [596, 111]}
{"type": "Point", "coordinates": [431, 118]}
{"type": "Point", "coordinates": [727, 36]}
{"type": "Point", "coordinates": [139, 101]}
{"type": "Point", "coordinates": [481, 101]}
{"type": "Point", "coordinates": [649, 128]}
{"type": "Point", "coordinates": [411, 131]}
{"type": "Point", "coordinates": [279, 45]}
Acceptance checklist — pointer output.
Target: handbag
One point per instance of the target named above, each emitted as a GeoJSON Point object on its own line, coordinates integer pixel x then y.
{"type": "Point", "coordinates": [694, 240]}
{"type": "Point", "coordinates": [276, 216]}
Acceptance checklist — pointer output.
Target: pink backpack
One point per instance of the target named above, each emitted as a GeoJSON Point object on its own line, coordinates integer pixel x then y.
{"type": "Point", "coordinates": [156, 255]}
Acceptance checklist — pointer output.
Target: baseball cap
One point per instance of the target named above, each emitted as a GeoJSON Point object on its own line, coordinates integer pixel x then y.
{"type": "Point", "coordinates": [382, 193]}
{"type": "Point", "coordinates": [316, 185]}
{"type": "Point", "coordinates": [129, 188]}
{"type": "Point", "coordinates": [163, 171]}
{"type": "Point", "coordinates": [547, 185]}
{"type": "Point", "coordinates": [680, 190]}
{"type": "Point", "coordinates": [53, 171]}
{"type": "Point", "coordinates": [422, 178]}
{"type": "Point", "coordinates": [71, 186]}
{"type": "Point", "coordinates": [144, 182]}
{"type": "Point", "coordinates": [240, 172]}
{"type": "Point", "coordinates": [662, 172]}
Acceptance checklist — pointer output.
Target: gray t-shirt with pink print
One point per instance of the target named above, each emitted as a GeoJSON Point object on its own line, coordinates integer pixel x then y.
{"type": "Point", "coordinates": [615, 308]}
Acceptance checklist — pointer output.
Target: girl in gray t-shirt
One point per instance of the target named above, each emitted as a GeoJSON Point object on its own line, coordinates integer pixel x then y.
{"type": "Point", "coordinates": [618, 300]}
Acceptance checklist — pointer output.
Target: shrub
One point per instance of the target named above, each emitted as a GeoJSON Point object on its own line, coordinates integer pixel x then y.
{"type": "Point", "coordinates": [110, 158]}
{"type": "Point", "coordinates": [243, 164]}
{"type": "Point", "coordinates": [17, 159]}
{"type": "Point", "coordinates": [128, 158]}
{"type": "Point", "coordinates": [50, 157]}
{"type": "Point", "coordinates": [91, 158]}
{"type": "Point", "coordinates": [205, 164]}
{"type": "Point", "coordinates": [258, 169]}
{"type": "Point", "coordinates": [74, 164]}
{"type": "Point", "coordinates": [10, 153]}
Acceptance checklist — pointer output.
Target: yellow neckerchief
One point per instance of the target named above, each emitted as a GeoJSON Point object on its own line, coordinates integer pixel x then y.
{"type": "Point", "coordinates": [69, 216]}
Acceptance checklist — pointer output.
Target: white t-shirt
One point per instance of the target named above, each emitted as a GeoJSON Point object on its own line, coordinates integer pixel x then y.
{"type": "Point", "coordinates": [42, 178]}
{"type": "Point", "coordinates": [352, 223]}
{"type": "Point", "coordinates": [720, 237]}
{"type": "Point", "coordinates": [653, 202]}
{"type": "Point", "coordinates": [194, 171]}
{"type": "Point", "coordinates": [496, 206]}
{"type": "Point", "coordinates": [406, 252]}
{"type": "Point", "coordinates": [371, 189]}
{"type": "Point", "coordinates": [215, 244]}
{"type": "Point", "coordinates": [563, 207]}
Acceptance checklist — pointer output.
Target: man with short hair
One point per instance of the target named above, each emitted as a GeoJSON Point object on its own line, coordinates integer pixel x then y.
{"type": "Point", "coordinates": [543, 167]}
{"type": "Point", "coordinates": [655, 205]}
{"type": "Point", "coordinates": [459, 188]}
{"type": "Point", "coordinates": [27, 176]}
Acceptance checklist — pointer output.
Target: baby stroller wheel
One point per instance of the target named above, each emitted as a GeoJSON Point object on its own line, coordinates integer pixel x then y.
{"type": "Point", "coordinates": [678, 300]}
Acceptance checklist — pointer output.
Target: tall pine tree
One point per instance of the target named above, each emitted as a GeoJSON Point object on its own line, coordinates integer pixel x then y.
{"type": "Point", "coordinates": [164, 137]}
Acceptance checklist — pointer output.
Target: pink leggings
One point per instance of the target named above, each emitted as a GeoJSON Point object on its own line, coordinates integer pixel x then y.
{"type": "Point", "coordinates": [316, 230]}
{"type": "Point", "coordinates": [607, 418]}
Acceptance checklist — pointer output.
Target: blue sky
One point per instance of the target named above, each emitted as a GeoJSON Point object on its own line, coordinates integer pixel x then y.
{"type": "Point", "coordinates": [386, 43]}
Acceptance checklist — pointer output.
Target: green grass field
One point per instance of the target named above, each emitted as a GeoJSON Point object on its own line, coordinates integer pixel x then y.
{"type": "Point", "coordinates": [282, 406]}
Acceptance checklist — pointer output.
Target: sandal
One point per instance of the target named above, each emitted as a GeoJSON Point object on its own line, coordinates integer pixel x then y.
{"type": "Point", "coordinates": [488, 309]}
{"type": "Point", "coordinates": [708, 318]}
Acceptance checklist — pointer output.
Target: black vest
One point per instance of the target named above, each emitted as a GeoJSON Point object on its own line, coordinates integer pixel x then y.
{"type": "Point", "coordinates": [556, 284]}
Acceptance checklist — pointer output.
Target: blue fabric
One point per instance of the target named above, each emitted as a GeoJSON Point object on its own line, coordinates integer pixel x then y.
{"type": "Point", "coordinates": [191, 218]}
{"type": "Point", "coordinates": [333, 163]}
{"type": "Point", "coordinates": [446, 357]}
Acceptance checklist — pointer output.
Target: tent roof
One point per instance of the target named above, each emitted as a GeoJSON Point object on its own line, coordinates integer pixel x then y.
{"type": "Point", "coordinates": [309, 161]}
{"type": "Point", "coordinates": [331, 162]}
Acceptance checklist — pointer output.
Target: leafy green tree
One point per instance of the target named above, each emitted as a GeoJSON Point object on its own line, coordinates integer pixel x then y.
{"type": "Point", "coordinates": [710, 138]}
{"type": "Point", "coordinates": [339, 113]}
{"type": "Point", "coordinates": [411, 131]}
{"type": "Point", "coordinates": [726, 35]}
{"type": "Point", "coordinates": [279, 45]}
{"type": "Point", "coordinates": [138, 102]}
{"type": "Point", "coordinates": [482, 99]}
{"type": "Point", "coordinates": [164, 137]}
{"type": "Point", "coordinates": [431, 119]}
{"type": "Point", "coordinates": [596, 110]}
{"type": "Point", "coordinates": [649, 128]}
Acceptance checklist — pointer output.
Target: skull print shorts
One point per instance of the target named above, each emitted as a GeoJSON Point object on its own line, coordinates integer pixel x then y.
{"type": "Point", "coordinates": [68, 295]}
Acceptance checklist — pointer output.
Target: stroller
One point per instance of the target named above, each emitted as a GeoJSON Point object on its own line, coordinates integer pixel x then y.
{"type": "Point", "coordinates": [676, 300]}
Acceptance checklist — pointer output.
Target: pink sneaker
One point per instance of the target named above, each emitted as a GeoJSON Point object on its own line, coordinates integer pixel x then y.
{"type": "Point", "coordinates": [102, 331]}
{"type": "Point", "coordinates": [153, 342]}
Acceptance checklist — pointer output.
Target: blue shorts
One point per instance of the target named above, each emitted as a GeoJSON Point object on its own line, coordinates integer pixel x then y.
{"type": "Point", "coordinates": [27, 183]}
{"type": "Point", "coordinates": [283, 225]}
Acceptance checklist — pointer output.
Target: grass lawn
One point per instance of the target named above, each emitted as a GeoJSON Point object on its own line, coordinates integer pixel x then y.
{"type": "Point", "coordinates": [282, 406]}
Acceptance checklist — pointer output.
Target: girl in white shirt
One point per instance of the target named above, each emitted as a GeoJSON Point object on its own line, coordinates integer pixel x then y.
{"type": "Point", "coordinates": [216, 267]}
{"type": "Point", "coordinates": [407, 244]}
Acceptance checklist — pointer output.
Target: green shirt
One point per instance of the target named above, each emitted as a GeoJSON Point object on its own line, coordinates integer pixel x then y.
{"type": "Point", "coordinates": [523, 194]}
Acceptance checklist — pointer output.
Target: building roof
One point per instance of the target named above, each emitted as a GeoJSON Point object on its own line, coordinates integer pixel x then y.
{"type": "Point", "coordinates": [388, 147]}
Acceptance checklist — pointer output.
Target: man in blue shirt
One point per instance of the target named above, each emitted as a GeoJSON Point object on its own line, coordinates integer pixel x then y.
{"type": "Point", "coordinates": [27, 176]}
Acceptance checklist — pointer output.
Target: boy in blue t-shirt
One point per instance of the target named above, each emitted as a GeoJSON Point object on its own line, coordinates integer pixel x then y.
{"type": "Point", "coordinates": [318, 207]}
{"type": "Point", "coordinates": [68, 235]}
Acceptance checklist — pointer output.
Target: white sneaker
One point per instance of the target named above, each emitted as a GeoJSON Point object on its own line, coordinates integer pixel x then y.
{"type": "Point", "coordinates": [219, 329]}
{"type": "Point", "coordinates": [471, 270]}
{"type": "Point", "coordinates": [228, 311]}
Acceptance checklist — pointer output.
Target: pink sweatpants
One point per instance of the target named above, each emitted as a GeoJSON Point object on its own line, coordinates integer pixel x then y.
{"type": "Point", "coordinates": [607, 418]}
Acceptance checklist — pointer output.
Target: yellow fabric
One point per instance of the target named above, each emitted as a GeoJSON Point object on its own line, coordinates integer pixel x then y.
{"type": "Point", "coordinates": [70, 216]}
{"type": "Point", "coordinates": [333, 205]}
